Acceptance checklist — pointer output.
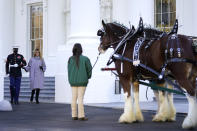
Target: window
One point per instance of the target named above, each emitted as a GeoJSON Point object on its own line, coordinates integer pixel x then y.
{"type": "Point", "coordinates": [165, 14]}
{"type": "Point", "coordinates": [36, 27]}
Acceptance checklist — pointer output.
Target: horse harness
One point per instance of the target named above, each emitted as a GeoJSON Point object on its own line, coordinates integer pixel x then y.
{"type": "Point", "coordinates": [169, 56]}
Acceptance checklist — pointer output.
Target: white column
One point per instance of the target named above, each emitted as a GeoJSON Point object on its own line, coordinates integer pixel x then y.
{"type": "Point", "coordinates": [53, 32]}
{"type": "Point", "coordinates": [21, 26]}
{"type": "Point", "coordinates": [85, 21]}
{"type": "Point", "coordinates": [121, 11]}
{"type": "Point", "coordinates": [194, 27]}
{"type": "Point", "coordinates": [1, 70]}
{"type": "Point", "coordinates": [141, 8]}
{"type": "Point", "coordinates": [6, 36]}
{"type": "Point", "coordinates": [185, 12]}
{"type": "Point", "coordinates": [56, 25]}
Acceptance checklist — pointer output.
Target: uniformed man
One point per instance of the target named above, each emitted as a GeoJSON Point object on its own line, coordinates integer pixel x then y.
{"type": "Point", "coordinates": [14, 64]}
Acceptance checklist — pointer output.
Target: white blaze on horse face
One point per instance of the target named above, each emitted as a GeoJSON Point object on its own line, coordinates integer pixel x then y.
{"type": "Point", "coordinates": [101, 50]}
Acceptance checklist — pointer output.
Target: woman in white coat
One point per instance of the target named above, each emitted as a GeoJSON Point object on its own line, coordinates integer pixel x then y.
{"type": "Point", "coordinates": [36, 67]}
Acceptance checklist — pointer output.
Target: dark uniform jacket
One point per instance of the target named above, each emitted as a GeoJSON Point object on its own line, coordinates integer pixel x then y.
{"type": "Point", "coordinates": [15, 59]}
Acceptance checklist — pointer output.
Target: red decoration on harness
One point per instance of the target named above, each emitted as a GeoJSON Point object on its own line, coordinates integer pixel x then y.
{"type": "Point", "coordinates": [108, 69]}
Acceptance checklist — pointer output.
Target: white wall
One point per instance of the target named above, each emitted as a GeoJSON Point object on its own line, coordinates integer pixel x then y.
{"type": "Point", "coordinates": [54, 32]}
{"type": "Point", "coordinates": [1, 71]}
{"type": "Point", "coordinates": [121, 11]}
{"type": "Point", "coordinates": [141, 8]}
{"type": "Point", "coordinates": [194, 17]}
{"type": "Point", "coordinates": [186, 15]}
{"type": "Point", "coordinates": [6, 36]}
{"type": "Point", "coordinates": [85, 22]}
{"type": "Point", "coordinates": [20, 27]}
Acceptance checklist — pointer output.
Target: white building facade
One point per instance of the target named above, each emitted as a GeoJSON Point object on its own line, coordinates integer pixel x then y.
{"type": "Point", "coordinates": [56, 25]}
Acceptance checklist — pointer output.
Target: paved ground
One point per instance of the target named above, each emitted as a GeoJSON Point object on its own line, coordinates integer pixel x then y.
{"type": "Point", "coordinates": [181, 107]}
{"type": "Point", "coordinates": [56, 117]}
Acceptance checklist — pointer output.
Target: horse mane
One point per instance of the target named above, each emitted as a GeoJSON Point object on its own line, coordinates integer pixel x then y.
{"type": "Point", "coordinates": [152, 33]}
{"type": "Point", "coordinates": [121, 25]}
{"type": "Point", "coordinates": [118, 29]}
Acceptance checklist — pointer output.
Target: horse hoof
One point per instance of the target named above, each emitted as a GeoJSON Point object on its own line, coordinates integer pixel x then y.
{"type": "Point", "coordinates": [171, 119]}
{"type": "Point", "coordinates": [159, 118]}
{"type": "Point", "coordinates": [188, 123]}
{"type": "Point", "coordinates": [140, 119]}
{"type": "Point", "coordinates": [126, 119]}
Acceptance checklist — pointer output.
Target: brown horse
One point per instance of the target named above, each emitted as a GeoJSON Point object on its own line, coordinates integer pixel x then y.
{"type": "Point", "coordinates": [112, 34]}
{"type": "Point", "coordinates": [155, 57]}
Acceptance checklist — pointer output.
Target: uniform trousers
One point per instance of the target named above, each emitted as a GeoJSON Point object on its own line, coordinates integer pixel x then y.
{"type": "Point", "coordinates": [15, 83]}
{"type": "Point", "coordinates": [78, 95]}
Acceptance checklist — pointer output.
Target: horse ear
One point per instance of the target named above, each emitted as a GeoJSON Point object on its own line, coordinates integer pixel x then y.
{"type": "Point", "coordinates": [175, 28]}
{"type": "Point", "coordinates": [133, 28]}
{"type": "Point", "coordinates": [103, 23]}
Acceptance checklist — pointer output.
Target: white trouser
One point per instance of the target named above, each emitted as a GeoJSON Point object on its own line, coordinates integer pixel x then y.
{"type": "Point", "coordinates": [78, 94]}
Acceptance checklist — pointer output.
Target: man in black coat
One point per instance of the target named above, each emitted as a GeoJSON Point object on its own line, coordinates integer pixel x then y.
{"type": "Point", "coordinates": [14, 63]}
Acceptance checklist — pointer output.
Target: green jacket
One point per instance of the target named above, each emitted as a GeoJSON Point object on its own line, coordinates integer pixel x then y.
{"type": "Point", "coordinates": [78, 76]}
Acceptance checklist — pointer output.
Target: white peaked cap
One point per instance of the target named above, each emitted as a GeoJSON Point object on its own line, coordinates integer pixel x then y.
{"type": "Point", "coordinates": [15, 46]}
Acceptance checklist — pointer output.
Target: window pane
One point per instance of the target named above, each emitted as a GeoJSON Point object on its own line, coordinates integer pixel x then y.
{"type": "Point", "coordinates": [158, 20]}
{"type": "Point", "coordinates": [165, 19]}
{"type": "Point", "coordinates": [36, 27]}
{"type": "Point", "coordinates": [165, 6]}
{"type": "Point", "coordinates": [32, 33]}
{"type": "Point", "coordinates": [167, 15]}
{"type": "Point", "coordinates": [172, 5]}
{"type": "Point", "coordinates": [32, 46]}
{"type": "Point", "coordinates": [36, 32]}
{"type": "Point", "coordinates": [38, 44]}
{"type": "Point", "coordinates": [158, 6]}
{"type": "Point", "coordinates": [172, 19]}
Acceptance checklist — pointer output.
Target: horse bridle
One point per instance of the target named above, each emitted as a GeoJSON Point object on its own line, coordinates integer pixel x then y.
{"type": "Point", "coordinates": [101, 33]}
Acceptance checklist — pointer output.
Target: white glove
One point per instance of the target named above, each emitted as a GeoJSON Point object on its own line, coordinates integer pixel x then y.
{"type": "Point", "coordinates": [15, 65]}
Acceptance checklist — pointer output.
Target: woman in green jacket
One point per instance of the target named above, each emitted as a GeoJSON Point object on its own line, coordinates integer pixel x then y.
{"type": "Point", "coordinates": [79, 71]}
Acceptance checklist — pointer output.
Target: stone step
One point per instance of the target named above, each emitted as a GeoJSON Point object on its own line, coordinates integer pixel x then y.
{"type": "Point", "coordinates": [47, 94]}
{"type": "Point", "coordinates": [46, 77]}
{"type": "Point", "coordinates": [28, 87]}
{"type": "Point", "coordinates": [41, 99]}
{"type": "Point", "coordinates": [27, 84]}
{"type": "Point", "coordinates": [27, 80]}
{"type": "Point", "coordinates": [28, 95]}
{"type": "Point", "coordinates": [29, 91]}
{"type": "Point", "coordinates": [179, 98]}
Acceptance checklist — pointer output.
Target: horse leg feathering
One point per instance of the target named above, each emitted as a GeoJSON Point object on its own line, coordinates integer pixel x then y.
{"type": "Point", "coordinates": [128, 115]}
{"type": "Point", "coordinates": [138, 113]}
{"type": "Point", "coordinates": [191, 120]}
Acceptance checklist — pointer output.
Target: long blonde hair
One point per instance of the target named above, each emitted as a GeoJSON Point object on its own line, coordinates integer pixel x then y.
{"type": "Point", "coordinates": [40, 55]}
